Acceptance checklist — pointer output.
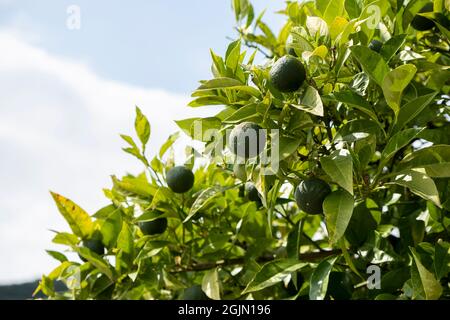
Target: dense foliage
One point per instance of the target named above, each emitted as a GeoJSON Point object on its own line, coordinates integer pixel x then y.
{"type": "Point", "coordinates": [361, 126]}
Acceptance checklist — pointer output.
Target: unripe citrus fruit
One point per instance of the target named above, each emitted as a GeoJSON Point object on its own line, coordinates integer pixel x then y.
{"type": "Point", "coordinates": [310, 195]}
{"type": "Point", "coordinates": [180, 179]}
{"type": "Point", "coordinates": [154, 227]}
{"type": "Point", "coordinates": [287, 74]}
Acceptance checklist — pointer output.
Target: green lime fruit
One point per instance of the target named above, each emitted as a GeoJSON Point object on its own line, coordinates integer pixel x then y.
{"type": "Point", "coordinates": [154, 227]}
{"type": "Point", "coordinates": [287, 74]}
{"type": "Point", "coordinates": [94, 245]}
{"type": "Point", "coordinates": [421, 23]}
{"type": "Point", "coordinates": [194, 293]}
{"type": "Point", "coordinates": [375, 45]}
{"type": "Point", "coordinates": [180, 179]}
{"type": "Point", "coordinates": [247, 140]}
{"type": "Point", "coordinates": [252, 193]}
{"type": "Point", "coordinates": [310, 195]}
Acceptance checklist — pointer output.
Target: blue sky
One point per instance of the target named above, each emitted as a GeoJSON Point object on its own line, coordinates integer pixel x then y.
{"type": "Point", "coordinates": [146, 43]}
{"type": "Point", "coordinates": [66, 95]}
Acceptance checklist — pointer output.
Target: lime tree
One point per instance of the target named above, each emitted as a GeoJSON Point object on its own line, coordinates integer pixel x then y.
{"type": "Point", "coordinates": [345, 196]}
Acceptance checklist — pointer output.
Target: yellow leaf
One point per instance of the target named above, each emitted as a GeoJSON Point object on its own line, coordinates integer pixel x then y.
{"type": "Point", "coordinates": [337, 26]}
{"type": "Point", "coordinates": [79, 221]}
{"type": "Point", "coordinates": [320, 51]}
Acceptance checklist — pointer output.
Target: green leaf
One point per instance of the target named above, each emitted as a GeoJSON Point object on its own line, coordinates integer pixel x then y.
{"type": "Point", "coordinates": [246, 112]}
{"type": "Point", "coordinates": [218, 67]}
{"type": "Point", "coordinates": [412, 109]}
{"type": "Point", "coordinates": [229, 83]}
{"type": "Point", "coordinates": [293, 241]}
{"type": "Point", "coordinates": [397, 142]}
{"type": "Point", "coordinates": [423, 281]}
{"type": "Point", "coordinates": [186, 125]}
{"type": "Point", "coordinates": [441, 259]}
{"type": "Point", "coordinates": [57, 255]}
{"type": "Point", "coordinates": [96, 261]}
{"type": "Point", "coordinates": [272, 273]}
{"type": "Point", "coordinates": [220, 83]}
{"type": "Point", "coordinates": [338, 210]}
{"type": "Point", "coordinates": [151, 215]}
{"type": "Point", "coordinates": [367, 126]}
{"type": "Point", "coordinates": [287, 146]}
{"type": "Point", "coordinates": [353, 8]}
{"type": "Point", "coordinates": [395, 82]}
{"type": "Point", "coordinates": [46, 286]}
{"type": "Point", "coordinates": [134, 186]}
{"type": "Point", "coordinates": [79, 221]}
{"type": "Point", "coordinates": [443, 26]}
{"type": "Point", "coordinates": [65, 238]}
{"type": "Point", "coordinates": [311, 102]}
{"type": "Point", "coordinates": [59, 270]}
{"type": "Point", "coordinates": [371, 62]}
{"type": "Point", "coordinates": [391, 46]}
{"type": "Point", "coordinates": [203, 199]}
{"type": "Point", "coordinates": [111, 225]}
{"type": "Point", "coordinates": [125, 245]}
{"type": "Point", "coordinates": [412, 8]}
{"type": "Point", "coordinates": [151, 249]}
{"type": "Point", "coordinates": [419, 183]}
{"type": "Point", "coordinates": [133, 150]}
{"type": "Point", "coordinates": [196, 128]}
{"type": "Point", "coordinates": [211, 284]}
{"type": "Point", "coordinates": [169, 143]}
{"type": "Point", "coordinates": [319, 279]}
{"type": "Point", "coordinates": [435, 160]}
{"type": "Point", "coordinates": [356, 101]}
{"type": "Point", "coordinates": [208, 101]}
{"type": "Point", "coordinates": [339, 167]}
{"type": "Point", "coordinates": [332, 9]}
{"type": "Point", "coordinates": [437, 170]}
{"type": "Point", "coordinates": [142, 127]}
{"type": "Point", "coordinates": [233, 56]}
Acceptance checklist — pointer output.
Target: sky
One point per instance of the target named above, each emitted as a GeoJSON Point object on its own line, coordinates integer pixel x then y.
{"type": "Point", "coordinates": [66, 95]}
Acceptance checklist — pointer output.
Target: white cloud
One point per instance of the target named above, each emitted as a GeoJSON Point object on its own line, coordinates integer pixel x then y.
{"type": "Point", "coordinates": [59, 126]}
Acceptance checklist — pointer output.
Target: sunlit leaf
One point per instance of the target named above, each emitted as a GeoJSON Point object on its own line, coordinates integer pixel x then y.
{"type": "Point", "coordinates": [272, 273]}
{"type": "Point", "coordinates": [79, 221]}
{"type": "Point", "coordinates": [338, 210]}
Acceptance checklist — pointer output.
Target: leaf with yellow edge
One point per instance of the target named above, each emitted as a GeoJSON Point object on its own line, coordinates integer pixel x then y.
{"type": "Point", "coordinates": [78, 219]}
